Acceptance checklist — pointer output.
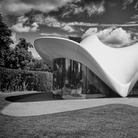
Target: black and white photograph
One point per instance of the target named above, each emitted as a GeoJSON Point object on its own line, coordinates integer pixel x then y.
{"type": "Point", "coordinates": [68, 68]}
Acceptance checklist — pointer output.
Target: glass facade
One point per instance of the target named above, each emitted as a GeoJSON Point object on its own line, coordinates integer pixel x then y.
{"type": "Point", "coordinates": [73, 79]}
{"type": "Point", "coordinates": [134, 91]}
{"type": "Point", "coordinates": [76, 80]}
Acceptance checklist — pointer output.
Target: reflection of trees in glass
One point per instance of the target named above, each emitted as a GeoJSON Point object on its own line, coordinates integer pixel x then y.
{"type": "Point", "coordinates": [76, 75]}
{"type": "Point", "coordinates": [84, 78]}
{"type": "Point", "coordinates": [59, 72]}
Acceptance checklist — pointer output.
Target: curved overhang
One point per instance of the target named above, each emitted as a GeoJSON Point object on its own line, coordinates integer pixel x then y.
{"type": "Point", "coordinates": [117, 67]}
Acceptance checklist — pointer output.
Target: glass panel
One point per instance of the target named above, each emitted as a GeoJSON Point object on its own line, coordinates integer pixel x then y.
{"type": "Point", "coordinates": [134, 91]}
{"type": "Point", "coordinates": [84, 78]}
{"type": "Point", "coordinates": [58, 73]}
{"type": "Point", "coordinates": [74, 79]}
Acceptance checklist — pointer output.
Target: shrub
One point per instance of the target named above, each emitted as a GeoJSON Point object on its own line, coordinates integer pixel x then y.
{"type": "Point", "coordinates": [22, 80]}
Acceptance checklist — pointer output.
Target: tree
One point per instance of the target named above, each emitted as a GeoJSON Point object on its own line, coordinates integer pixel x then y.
{"type": "Point", "coordinates": [38, 65]}
{"type": "Point", "coordinates": [19, 57]}
{"type": "Point", "coordinates": [5, 41]}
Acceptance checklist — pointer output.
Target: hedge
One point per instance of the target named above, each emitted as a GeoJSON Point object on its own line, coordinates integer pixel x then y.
{"type": "Point", "coordinates": [23, 80]}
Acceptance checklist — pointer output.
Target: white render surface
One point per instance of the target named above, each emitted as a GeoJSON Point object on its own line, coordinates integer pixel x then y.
{"type": "Point", "coordinates": [117, 67]}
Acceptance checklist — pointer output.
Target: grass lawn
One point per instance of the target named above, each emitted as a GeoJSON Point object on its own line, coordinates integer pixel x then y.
{"type": "Point", "coordinates": [109, 121]}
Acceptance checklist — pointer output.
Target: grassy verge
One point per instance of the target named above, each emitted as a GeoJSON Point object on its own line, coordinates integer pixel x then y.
{"type": "Point", "coordinates": [109, 121]}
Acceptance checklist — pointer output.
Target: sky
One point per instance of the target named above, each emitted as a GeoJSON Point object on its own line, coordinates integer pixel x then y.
{"type": "Point", "coordinates": [115, 22]}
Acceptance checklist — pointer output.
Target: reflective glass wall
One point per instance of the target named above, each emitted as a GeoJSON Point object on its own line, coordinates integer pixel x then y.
{"type": "Point", "coordinates": [74, 79]}
{"type": "Point", "coordinates": [134, 91]}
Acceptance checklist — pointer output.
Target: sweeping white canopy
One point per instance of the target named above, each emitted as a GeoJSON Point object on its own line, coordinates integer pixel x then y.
{"type": "Point", "coordinates": [117, 67]}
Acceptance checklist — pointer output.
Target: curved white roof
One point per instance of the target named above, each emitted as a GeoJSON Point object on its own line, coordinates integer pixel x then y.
{"type": "Point", "coordinates": [117, 67]}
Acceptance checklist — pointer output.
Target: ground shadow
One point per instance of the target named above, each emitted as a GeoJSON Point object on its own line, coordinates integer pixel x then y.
{"type": "Point", "coordinates": [48, 96]}
{"type": "Point", "coordinates": [33, 97]}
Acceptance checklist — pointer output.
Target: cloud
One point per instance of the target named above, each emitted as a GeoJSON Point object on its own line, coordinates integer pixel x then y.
{"type": "Point", "coordinates": [22, 19]}
{"type": "Point", "coordinates": [95, 8]}
{"type": "Point", "coordinates": [90, 31]}
{"type": "Point", "coordinates": [50, 34]}
{"type": "Point", "coordinates": [128, 2]}
{"type": "Point", "coordinates": [68, 28]}
{"type": "Point", "coordinates": [57, 35]}
{"type": "Point", "coordinates": [116, 38]}
{"type": "Point", "coordinates": [135, 17]}
{"type": "Point", "coordinates": [23, 24]}
{"type": "Point", "coordinates": [21, 27]}
{"type": "Point", "coordinates": [34, 27]}
{"type": "Point", "coordinates": [90, 9]}
{"type": "Point", "coordinates": [82, 24]}
{"type": "Point", "coordinates": [14, 39]}
{"type": "Point", "coordinates": [19, 7]}
{"type": "Point", "coordinates": [113, 37]}
{"type": "Point", "coordinates": [136, 6]}
{"type": "Point", "coordinates": [53, 22]}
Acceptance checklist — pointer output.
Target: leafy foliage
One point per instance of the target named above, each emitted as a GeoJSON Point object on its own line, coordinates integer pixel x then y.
{"type": "Point", "coordinates": [5, 34]}
{"type": "Point", "coordinates": [5, 41]}
{"type": "Point", "coordinates": [22, 80]}
{"type": "Point", "coordinates": [19, 57]}
{"type": "Point", "coordinates": [38, 65]}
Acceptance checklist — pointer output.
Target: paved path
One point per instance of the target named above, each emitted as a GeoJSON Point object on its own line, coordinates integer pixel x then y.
{"type": "Point", "coordinates": [56, 106]}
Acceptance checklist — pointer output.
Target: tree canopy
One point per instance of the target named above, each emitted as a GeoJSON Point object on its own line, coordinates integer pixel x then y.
{"type": "Point", "coordinates": [19, 57]}
{"type": "Point", "coordinates": [5, 34]}
{"type": "Point", "coordinates": [5, 41]}
{"type": "Point", "coordinates": [38, 65]}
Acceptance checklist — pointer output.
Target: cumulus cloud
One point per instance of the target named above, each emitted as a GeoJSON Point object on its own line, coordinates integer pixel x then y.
{"type": "Point", "coordinates": [90, 31]}
{"type": "Point", "coordinates": [117, 37]}
{"type": "Point", "coordinates": [22, 19]}
{"type": "Point", "coordinates": [34, 27]}
{"type": "Point", "coordinates": [21, 27]}
{"type": "Point", "coordinates": [23, 6]}
{"type": "Point", "coordinates": [113, 37]}
{"type": "Point", "coordinates": [68, 28]}
{"type": "Point", "coordinates": [52, 22]}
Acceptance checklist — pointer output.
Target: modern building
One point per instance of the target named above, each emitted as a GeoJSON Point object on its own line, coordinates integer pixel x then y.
{"type": "Point", "coordinates": [89, 68]}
